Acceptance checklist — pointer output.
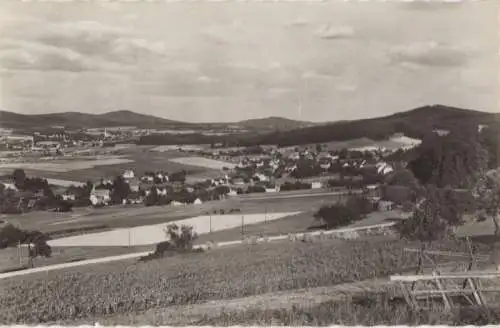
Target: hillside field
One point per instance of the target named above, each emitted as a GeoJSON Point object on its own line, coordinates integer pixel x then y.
{"type": "Point", "coordinates": [115, 292]}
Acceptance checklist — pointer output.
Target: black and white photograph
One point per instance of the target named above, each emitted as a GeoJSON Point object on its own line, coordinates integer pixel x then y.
{"type": "Point", "coordinates": [249, 163]}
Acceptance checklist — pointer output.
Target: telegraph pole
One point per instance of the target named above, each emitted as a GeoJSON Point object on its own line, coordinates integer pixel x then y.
{"type": "Point", "coordinates": [242, 226]}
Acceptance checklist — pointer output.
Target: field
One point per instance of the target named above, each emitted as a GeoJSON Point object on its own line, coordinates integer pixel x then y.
{"type": "Point", "coordinates": [392, 143]}
{"type": "Point", "coordinates": [203, 162]}
{"type": "Point", "coordinates": [153, 234]}
{"type": "Point", "coordinates": [87, 168]}
{"type": "Point", "coordinates": [64, 166]}
{"type": "Point", "coordinates": [138, 215]}
{"type": "Point", "coordinates": [111, 293]}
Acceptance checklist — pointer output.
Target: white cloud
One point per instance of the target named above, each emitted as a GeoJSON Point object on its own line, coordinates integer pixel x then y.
{"type": "Point", "coordinates": [330, 32]}
{"type": "Point", "coordinates": [21, 55]}
{"type": "Point", "coordinates": [430, 53]}
{"type": "Point", "coordinates": [206, 79]}
{"type": "Point", "coordinates": [298, 22]}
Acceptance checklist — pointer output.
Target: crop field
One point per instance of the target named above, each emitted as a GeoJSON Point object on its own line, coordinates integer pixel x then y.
{"type": "Point", "coordinates": [203, 162]}
{"type": "Point", "coordinates": [152, 234]}
{"type": "Point", "coordinates": [132, 287]}
{"type": "Point", "coordinates": [136, 158]}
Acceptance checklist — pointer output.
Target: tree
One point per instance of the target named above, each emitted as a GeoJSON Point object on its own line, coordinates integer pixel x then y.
{"type": "Point", "coordinates": [37, 246]}
{"type": "Point", "coordinates": [152, 198]}
{"type": "Point", "coordinates": [120, 191]}
{"type": "Point", "coordinates": [182, 238]}
{"type": "Point", "coordinates": [455, 160]}
{"type": "Point", "coordinates": [403, 177]}
{"type": "Point", "coordinates": [360, 204]}
{"type": "Point", "coordinates": [19, 177]}
{"type": "Point", "coordinates": [319, 148]}
{"type": "Point", "coordinates": [337, 215]}
{"type": "Point", "coordinates": [487, 195]}
{"type": "Point", "coordinates": [433, 219]}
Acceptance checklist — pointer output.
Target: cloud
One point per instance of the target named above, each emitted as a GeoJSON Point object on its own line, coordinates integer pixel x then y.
{"type": "Point", "coordinates": [80, 45]}
{"type": "Point", "coordinates": [315, 75]}
{"type": "Point", "coordinates": [330, 32]}
{"type": "Point", "coordinates": [206, 79]}
{"type": "Point", "coordinates": [298, 22]}
{"type": "Point", "coordinates": [21, 55]}
{"type": "Point", "coordinates": [429, 53]}
{"type": "Point", "coordinates": [226, 34]}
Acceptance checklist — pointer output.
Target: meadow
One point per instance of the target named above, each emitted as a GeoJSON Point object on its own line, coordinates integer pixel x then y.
{"type": "Point", "coordinates": [203, 162]}
{"type": "Point", "coordinates": [131, 288]}
{"type": "Point", "coordinates": [140, 159]}
{"type": "Point", "coordinates": [152, 234]}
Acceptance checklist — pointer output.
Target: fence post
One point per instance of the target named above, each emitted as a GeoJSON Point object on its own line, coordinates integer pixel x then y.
{"type": "Point", "coordinates": [446, 300]}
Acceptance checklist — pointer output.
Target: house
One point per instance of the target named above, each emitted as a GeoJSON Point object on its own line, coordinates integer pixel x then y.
{"type": "Point", "coordinates": [384, 168]}
{"type": "Point", "coordinates": [325, 166]}
{"type": "Point", "coordinates": [10, 186]}
{"type": "Point", "coordinates": [274, 189]}
{"type": "Point", "coordinates": [134, 184]}
{"type": "Point", "coordinates": [68, 196]}
{"type": "Point", "coordinates": [197, 201]}
{"type": "Point", "coordinates": [147, 178]}
{"type": "Point", "coordinates": [100, 195]}
{"type": "Point", "coordinates": [128, 174]}
{"type": "Point", "coordinates": [261, 177]}
{"type": "Point", "coordinates": [133, 198]}
{"type": "Point", "coordinates": [384, 205]}
{"type": "Point", "coordinates": [316, 185]}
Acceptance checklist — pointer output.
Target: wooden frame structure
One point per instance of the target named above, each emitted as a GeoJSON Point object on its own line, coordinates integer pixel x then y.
{"type": "Point", "coordinates": [446, 286]}
{"type": "Point", "coordinates": [440, 287]}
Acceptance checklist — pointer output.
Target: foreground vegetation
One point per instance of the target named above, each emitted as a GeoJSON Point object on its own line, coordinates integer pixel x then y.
{"type": "Point", "coordinates": [364, 310]}
{"type": "Point", "coordinates": [132, 287]}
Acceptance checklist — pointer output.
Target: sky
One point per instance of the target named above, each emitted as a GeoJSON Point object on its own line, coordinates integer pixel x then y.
{"type": "Point", "coordinates": [230, 61]}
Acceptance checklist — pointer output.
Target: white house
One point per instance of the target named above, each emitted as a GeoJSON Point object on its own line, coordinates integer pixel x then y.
{"type": "Point", "coordinates": [68, 196]}
{"type": "Point", "coordinates": [197, 201]}
{"type": "Point", "coordinates": [261, 177]}
{"type": "Point", "coordinates": [325, 166]}
{"type": "Point", "coordinates": [316, 185]}
{"type": "Point", "coordinates": [10, 186]}
{"type": "Point", "coordinates": [128, 174]}
{"type": "Point", "coordinates": [384, 168]}
{"type": "Point", "coordinates": [385, 206]}
{"type": "Point", "coordinates": [100, 196]}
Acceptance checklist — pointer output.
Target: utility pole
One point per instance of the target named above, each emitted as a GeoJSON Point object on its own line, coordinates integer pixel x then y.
{"type": "Point", "coordinates": [210, 223]}
{"type": "Point", "coordinates": [242, 226]}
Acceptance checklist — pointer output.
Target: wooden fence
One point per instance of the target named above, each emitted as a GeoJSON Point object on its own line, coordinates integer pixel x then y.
{"type": "Point", "coordinates": [466, 285]}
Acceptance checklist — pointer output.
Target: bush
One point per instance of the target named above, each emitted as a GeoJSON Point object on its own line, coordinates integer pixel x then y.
{"type": "Point", "coordinates": [255, 189]}
{"type": "Point", "coordinates": [408, 207]}
{"type": "Point", "coordinates": [337, 215]}
{"type": "Point", "coordinates": [287, 186]}
{"type": "Point", "coordinates": [360, 204]}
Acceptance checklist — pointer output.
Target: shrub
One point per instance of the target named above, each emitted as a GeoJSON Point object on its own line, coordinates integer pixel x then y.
{"type": "Point", "coordinates": [360, 204]}
{"type": "Point", "coordinates": [255, 189]}
{"type": "Point", "coordinates": [337, 215]}
{"type": "Point", "coordinates": [408, 206]}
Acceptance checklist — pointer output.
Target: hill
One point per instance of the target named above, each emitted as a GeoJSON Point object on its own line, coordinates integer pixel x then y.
{"type": "Point", "coordinates": [274, 123]}
{"type": "Point", "coordinates": [75, 120]}
{"type": "Point", "coordinates": [415, 123]}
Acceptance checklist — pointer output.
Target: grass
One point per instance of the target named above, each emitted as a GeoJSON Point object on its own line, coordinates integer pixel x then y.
{"type": "Point", "coordinates": [9, 258]}
{"type": "Point", "coordinates": [130, 287]}
{"type": "Point", "coordinates": [360, 311]}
